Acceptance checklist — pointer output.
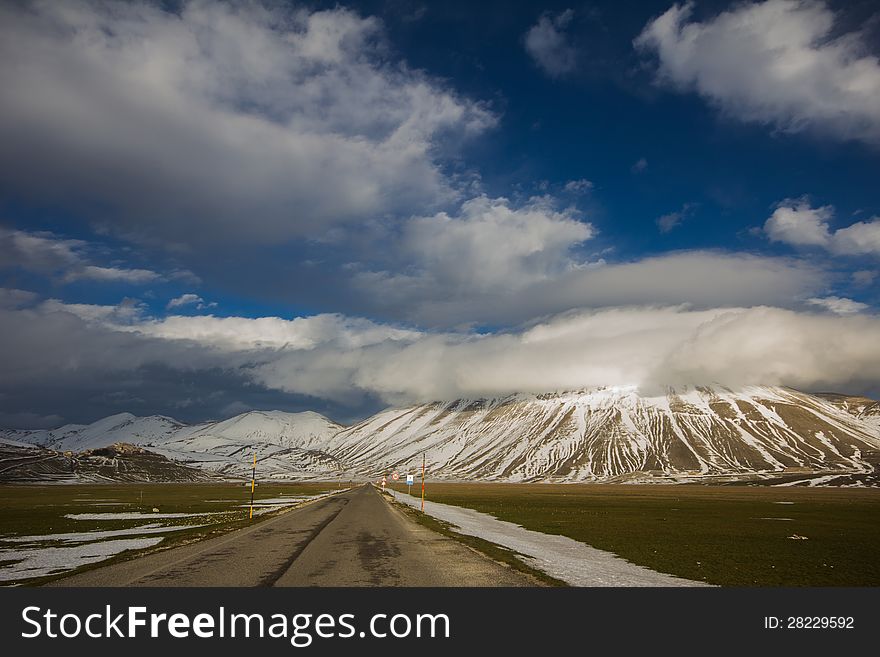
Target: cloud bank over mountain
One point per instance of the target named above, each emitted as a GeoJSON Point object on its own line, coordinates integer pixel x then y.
{"type": "Point", "coordinates": [337, 358]}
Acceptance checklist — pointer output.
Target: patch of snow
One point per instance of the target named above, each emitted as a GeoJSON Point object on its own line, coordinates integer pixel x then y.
{"type": "Point", "coordinates": [136, 515]}
{"type": "Point", "coordinates": [561, 557]}
{"type": "Point", "coordinates": [16, 443]}
{"type": "Point", "coordinates": [83, 537]}
{"type": "Point", "coordinates": [37, 562]}
{"type": "Point", "coordinates": [277, 501]}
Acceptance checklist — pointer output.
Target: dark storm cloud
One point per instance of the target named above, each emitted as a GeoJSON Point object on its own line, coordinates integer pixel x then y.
{"type": "Point", "coordinates": [220, 123]}
{"type": "Point", "coordinates": [75, 363]}
{"type": "Point", "coordinates": [193, 396]}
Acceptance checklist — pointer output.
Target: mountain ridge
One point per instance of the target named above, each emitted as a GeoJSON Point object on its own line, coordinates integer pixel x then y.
{"type": "Point", "coordinates": [599, 434]}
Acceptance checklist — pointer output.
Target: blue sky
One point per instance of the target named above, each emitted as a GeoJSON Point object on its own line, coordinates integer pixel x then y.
{"type": "Point", "coordinates": [211, 207]}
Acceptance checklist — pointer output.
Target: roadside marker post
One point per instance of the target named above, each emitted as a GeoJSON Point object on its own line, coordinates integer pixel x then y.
{"type": "Point", "coordinates": [253, 485]}
{"type": "Point", "coordinates": [423, 483]}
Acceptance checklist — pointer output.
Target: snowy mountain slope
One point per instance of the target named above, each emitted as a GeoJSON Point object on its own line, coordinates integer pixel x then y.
{"type": "Point", "coordinates": [120, 428]}
{"type": "Point", "coordinates": [611, 433]}
{"type": "Point", "coordinates": [282, 441]}
{"type": "Point", "coordinates": [865, 409]}
{"type": "Point", "coordinates": [286, 444]}
{"type": "Point", "coordinates": [303, 430]}
{"type": "Point", "coordinates": [608, 434]}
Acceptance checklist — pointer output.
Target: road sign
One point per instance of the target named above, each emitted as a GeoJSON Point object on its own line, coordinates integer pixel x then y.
{"type": "Point", "coordinates": [410, 479]}
{"type": "Point", "coordinates": [395, 476]}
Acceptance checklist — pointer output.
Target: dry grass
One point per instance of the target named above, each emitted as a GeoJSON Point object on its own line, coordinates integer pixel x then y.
{"type": "Point", "coordinates": [727, 535]}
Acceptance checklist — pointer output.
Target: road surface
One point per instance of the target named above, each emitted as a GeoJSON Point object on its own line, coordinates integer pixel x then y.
{"type": "Point", "coordinates": [355, 538]}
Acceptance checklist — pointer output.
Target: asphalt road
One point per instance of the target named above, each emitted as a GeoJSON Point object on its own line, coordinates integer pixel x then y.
{"type": "Point", "coordinates": [355, 538]}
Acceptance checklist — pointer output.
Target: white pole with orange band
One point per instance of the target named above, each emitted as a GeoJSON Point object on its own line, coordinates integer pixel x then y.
{"type": "Point", "coordinates": [253, 485]}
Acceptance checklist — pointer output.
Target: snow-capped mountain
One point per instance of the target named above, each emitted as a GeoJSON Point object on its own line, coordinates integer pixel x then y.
{"type": "Point", "coordinates": [287, 445]}
{"type": "Point", "coordinates": [608, 434]}
{"type": "Point", "coordinates": [613, 433]}
{"type": "Point", "coordinates": [282, 441]}
{"type": "Point", "coordinates": [120, 428]}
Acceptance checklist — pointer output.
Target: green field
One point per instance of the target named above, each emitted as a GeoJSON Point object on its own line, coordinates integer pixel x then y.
{"type": "Point", "coordinates": [726, 535]}
{"type": "Point", "coordinates": [36, 520]}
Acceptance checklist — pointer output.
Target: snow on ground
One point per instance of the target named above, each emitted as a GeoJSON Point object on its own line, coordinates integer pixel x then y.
{"type": "Point", "coordinates": [37, 562]}
{"type": "Point", "coordinates": [16, 443]}
{"type": "Point", "coordinates": [32, 558]}
{"type": "Point", "coordinates": [83, 537]}
{"type": "Point", "coordinates": [136, 515]}
{"type": "Point", "coordinates": [571, 561]}
{"type": "Point", "coordinates": [280, 501]}
{"type": "Point", "coordinates": [811, 481]}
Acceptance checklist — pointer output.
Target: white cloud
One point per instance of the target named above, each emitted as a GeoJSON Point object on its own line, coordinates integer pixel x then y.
{"type": "Point", "coordinates": [242, 333]}
{"type": "Point", "coordinates": [579, 186]}
{"type": "Point", "coordinates": [125, 313]}
{"type": "Point", "coordinates": [550, 46]}
{"type": "Point", "coordinates": [644, 346]}
{"type": "Point", "coordinates": [640, 165]}
{"type": "Point", "coordinates": [452, 288]}
{"type": "Point", "coordinates": [280, 123]}
{"type": "Point", "coordinates": [838, 305]}
{"type": "Point", "coordinates": [795, 222]}
{"type": "Point", "coordinates": [490, 245]}
{"type": "Point", "coordinates": [50, 254]}
{"type": "Point", "coordinates": [110, 274]}
{"type": "Point", "coordinates": [672, 220]}
{"type": "Point", "coordinates": [448, 269]}
{"type": "Point", "coordinates": [234, 333]}
{"type": "Point", "coordinates": [779, 347]}
{"type": "Point", "coordinates": [342, 358]}
{"type": "Point", "coordinates": [860, 238]}
{"type": "Point", "coordinates": [778, 62]}
{"type": "Point", "coordinates": [864, 277]}
{"type": "Point", "coordinates": [38, 251]}
{"type": "Point", "coordinates": [190, 299]}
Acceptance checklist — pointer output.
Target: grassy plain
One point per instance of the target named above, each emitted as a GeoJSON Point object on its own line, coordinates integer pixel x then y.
{"type": "Point", "coordinates": [209, 508]}
{"type": "Point", "coordinates": [726, 535]}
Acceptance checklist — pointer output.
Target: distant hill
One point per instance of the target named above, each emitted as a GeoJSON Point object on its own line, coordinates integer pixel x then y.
{"type": "Point", "coordinates": [287, 444]}
{"type": "Point", "coordinates": [117, 462]}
